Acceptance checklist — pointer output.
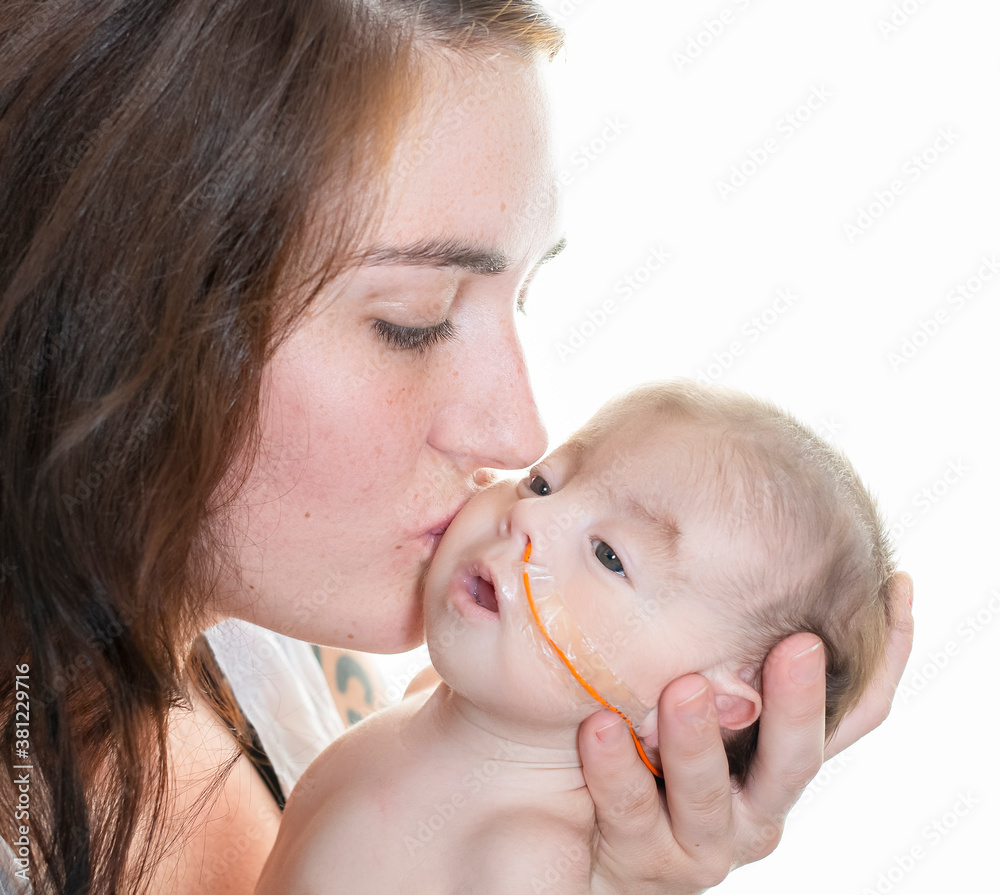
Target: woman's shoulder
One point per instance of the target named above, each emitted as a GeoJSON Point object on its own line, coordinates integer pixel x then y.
{"type": "Point", "coordinates": [279, 685]}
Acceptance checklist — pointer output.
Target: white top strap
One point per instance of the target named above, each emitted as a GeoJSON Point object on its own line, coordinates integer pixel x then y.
{"type": "Point", "coordinates": [280, 686]}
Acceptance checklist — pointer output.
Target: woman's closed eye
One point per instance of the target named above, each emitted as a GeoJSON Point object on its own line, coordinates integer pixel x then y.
{"type": "Point", "coordinates": [413, 338]}
{"type": "Point", "coordinates": [607, 557]}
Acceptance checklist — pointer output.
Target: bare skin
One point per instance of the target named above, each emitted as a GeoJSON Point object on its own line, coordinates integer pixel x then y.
{"type": "Point", "coordinates": [484, 835]}
{"type": "Point", "coordinates": [430, 794]}
{"type": "Point", "coordinates": [234, 831]}
{"type": "Point", "coordinates": [327, 504]}
{"type": "Point", "coordinates": [709, 831]}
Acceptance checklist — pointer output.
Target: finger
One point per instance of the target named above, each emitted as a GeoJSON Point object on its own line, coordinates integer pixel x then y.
{"type": "Point", "coordinates": [626, 800]}
{"type": "Point", "coordinates": [790, 741]}
{"type": "Point", "coordinates": [901, 641]}
{"type": "Point", "coordinates": [695, 769]}
{"type": "Point", "coordinates": [877, 700]}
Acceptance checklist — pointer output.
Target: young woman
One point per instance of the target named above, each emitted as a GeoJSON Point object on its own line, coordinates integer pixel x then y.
{"type": "Point", "coordinates": [259, 265]}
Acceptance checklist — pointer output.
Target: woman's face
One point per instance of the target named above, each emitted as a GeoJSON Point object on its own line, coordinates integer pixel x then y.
{"type": "Point", "coordinates": [405, 377]}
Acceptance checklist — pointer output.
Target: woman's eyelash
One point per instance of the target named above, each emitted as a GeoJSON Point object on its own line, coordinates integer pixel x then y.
{"type": "Point", "coordinates": [413, 338]}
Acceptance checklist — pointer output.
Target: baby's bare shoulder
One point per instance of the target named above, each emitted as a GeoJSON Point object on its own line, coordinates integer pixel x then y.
{"type": "Point", "coordinates": [357, 758]}
{"type": "Point", "coordinates": [337, 815]}
{"type": "Point", "coordinates": [529, 850]}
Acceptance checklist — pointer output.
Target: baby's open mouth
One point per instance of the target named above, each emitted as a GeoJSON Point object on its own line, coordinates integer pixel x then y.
{"type": "Point", "coordinates": [483, 593]}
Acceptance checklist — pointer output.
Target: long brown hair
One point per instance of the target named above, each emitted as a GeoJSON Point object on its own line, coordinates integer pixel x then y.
{"type": "Point", "coordinates": [160, 168]}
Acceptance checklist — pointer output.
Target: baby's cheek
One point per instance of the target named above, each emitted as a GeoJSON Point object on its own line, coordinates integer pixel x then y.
{"type": "Point", "coordinates": [587, 648]}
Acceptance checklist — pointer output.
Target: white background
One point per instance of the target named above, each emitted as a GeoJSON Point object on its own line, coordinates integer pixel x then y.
{"type": "Point", "coordinates": [647, 131]}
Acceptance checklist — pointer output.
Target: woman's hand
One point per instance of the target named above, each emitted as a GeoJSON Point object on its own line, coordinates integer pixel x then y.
{"type": "Point", "coordinates": [690, 839]}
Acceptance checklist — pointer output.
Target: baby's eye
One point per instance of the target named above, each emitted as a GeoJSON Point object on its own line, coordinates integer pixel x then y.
{"type": "Point", "coordinates": [539, 486]}
{"type": "Point", "coordinates": [608, 558]}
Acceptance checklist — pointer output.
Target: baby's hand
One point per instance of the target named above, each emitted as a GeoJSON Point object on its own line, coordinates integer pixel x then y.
{"type": "Point", "coordinates": [690, 838]}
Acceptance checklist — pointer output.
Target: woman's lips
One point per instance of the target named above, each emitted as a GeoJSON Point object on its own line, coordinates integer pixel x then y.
{"type": "Point", "coordinates": [432, 536]}
{"type": "Point", "coordinates": [437, 530]}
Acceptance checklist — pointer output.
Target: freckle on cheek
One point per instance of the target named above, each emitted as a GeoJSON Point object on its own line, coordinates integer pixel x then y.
{"type": "Point", "coordinates": [308, 515]}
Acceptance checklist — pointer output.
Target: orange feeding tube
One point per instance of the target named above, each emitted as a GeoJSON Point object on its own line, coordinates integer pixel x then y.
{"type": "Point", "coordinates": [576, 674]}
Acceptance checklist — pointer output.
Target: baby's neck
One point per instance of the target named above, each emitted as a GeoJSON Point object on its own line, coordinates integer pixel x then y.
{"type": "Point", "coordinates": [524, 759]}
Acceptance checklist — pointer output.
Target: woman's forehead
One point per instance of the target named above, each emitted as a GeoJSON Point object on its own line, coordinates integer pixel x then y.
{"type": "Point", "coordinates": [474, 171]}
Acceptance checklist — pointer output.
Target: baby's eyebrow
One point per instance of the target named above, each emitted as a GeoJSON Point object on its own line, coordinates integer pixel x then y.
{"type": "Point", "coordinates": [635, 507]}
{"type": "Point", "coordinates": [556, 248]}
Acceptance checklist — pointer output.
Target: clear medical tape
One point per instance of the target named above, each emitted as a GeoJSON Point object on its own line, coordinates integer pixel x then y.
{"type": "Point", "coordinates": [579, 654]}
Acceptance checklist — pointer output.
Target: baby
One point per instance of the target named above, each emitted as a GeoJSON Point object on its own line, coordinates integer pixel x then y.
{"type": "Point", "coordinates": [683, 529]}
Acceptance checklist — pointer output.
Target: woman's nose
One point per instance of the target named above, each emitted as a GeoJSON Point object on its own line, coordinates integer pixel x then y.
{"type": "Point", "coordinates": [491, 418]}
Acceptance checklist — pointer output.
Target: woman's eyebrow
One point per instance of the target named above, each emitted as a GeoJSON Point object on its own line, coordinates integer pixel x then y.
{"type": "Point", "coordinates": [451, 253]}
{"type": "Point", "coordinates": [441, 253]}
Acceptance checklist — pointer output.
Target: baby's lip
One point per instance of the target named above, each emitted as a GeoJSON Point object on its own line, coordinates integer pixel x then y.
{"type": "Point", "coordinates": [481, 587]}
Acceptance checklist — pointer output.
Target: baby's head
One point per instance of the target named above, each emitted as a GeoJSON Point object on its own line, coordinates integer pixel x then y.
{"type": "Point", "coordinates": [685, 529]}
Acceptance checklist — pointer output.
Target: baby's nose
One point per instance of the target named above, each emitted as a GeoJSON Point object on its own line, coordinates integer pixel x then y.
{"type": "Point", "coordinates": [515, 524]}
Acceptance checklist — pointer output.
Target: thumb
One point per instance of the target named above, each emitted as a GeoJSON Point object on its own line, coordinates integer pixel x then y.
{"type": "Point", "coordinates": [630, 816]}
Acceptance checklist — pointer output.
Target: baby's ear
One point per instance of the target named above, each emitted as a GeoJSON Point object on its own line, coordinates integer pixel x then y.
{"type": "Point", "coordinates": [737, 702]}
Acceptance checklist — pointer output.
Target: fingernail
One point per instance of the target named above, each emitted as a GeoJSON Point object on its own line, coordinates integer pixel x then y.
{"type": "Point", "coordinates": [696, 708]}
{"type": "Point", "coordinates": [612, 734]}
{"type": "Point", "coordinates": [807, 664]}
